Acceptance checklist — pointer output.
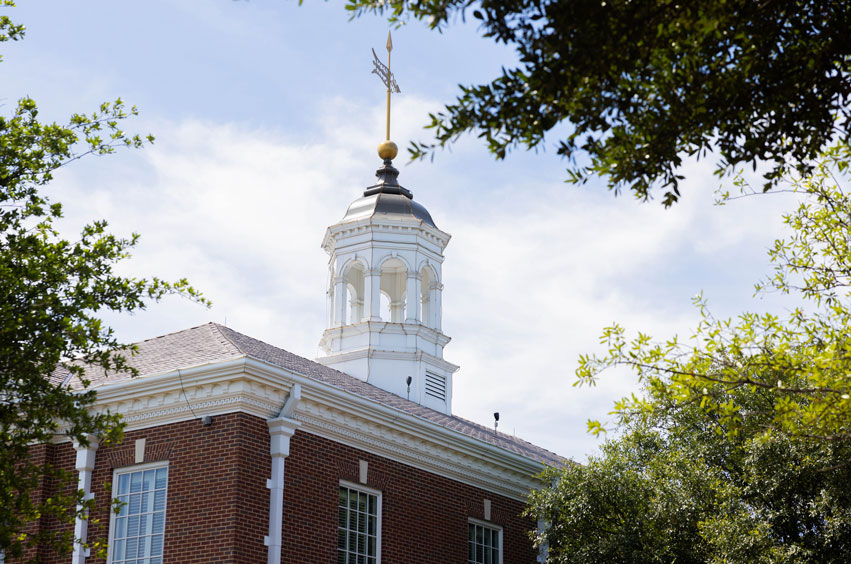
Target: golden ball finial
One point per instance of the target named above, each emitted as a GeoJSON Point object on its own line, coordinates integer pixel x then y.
{"type": "Point", "coordinates": [388, 150]}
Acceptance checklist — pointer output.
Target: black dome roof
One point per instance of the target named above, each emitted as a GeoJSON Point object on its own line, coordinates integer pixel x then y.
{"type": "Point", "coordinates": [387, 197]}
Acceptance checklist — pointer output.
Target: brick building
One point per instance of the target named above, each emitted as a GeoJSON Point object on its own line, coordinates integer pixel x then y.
{"type": "Point", "coordinates": [237, 451]}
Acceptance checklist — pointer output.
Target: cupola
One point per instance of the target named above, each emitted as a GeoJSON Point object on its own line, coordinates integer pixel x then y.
{"type": "Point", "coordinates": [384, 295]}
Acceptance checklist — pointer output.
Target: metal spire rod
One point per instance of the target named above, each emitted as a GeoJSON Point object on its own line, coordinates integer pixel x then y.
{"type": "Point", "coordinates": [386, 77]}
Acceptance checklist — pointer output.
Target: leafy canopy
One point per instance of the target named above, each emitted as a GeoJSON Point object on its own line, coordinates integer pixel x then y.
{"type": "Point", "coordinates": [738, 448]}
{"type": "Point", "coordinates": [803, 360]}
{"type": "Point", "coordinates": [51, 293]}
{"type": "Point", "coordinates": [643, 83]}
{"type": "Point", "coordinates": [677, 486]}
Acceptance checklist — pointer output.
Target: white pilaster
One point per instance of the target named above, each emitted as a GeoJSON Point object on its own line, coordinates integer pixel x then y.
{"type": "Point", "coordinates": [85, 465]}
{"type": "Point", "coordinates": [413, 291]}
{"type": "Point", "coordinates": [438, 307]}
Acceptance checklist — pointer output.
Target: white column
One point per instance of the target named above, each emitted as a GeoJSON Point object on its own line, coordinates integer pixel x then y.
{"type": "Point", "coordinates": [371, 295]}
{"type": "Point", "coordinates": [281, 429]}
{"type": "Point", "coordinates": [374, 280]}
{"type": "Point", "coordinates": [339, 301]}
{"type": "Point", "coordinates": [413, 291]}
{"type": "Point", "coordinates": [85, 466]}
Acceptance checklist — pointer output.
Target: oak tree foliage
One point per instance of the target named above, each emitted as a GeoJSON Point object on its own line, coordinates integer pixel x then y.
{"type": "Point", "coordinates": [52, 292]}
{"type": "Point", "coordinates": [643, 84]}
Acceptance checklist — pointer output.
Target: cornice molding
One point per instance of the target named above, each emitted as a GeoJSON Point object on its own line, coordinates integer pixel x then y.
{"type": "Point", "coordinates": [247, 385]}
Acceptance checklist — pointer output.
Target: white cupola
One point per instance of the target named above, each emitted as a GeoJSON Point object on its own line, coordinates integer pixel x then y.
{"type": "Point", "coordinates": [384, 293]}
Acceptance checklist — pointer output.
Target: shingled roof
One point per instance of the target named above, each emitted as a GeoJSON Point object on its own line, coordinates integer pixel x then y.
{"type": "Point", "coordinates": [212, 343]}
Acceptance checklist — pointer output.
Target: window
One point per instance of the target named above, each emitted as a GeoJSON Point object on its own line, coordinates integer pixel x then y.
{"type": "Point", "coordinates": [359, 526]}
{"type": "Point", "coordinates": [484, 544]}
{"type": "Point", "coordinates": [136, 531]}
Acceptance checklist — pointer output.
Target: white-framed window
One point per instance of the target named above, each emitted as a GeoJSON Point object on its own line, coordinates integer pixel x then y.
{"type": "Point", "coordinates": [484, 543]}
{"type": "Point", "coordinates": [137, 531]}
{"type": "Point", "coordinates": [359, 525]}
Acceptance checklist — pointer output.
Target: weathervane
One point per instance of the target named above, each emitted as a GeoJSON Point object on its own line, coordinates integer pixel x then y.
{"type": "Point", "coordinates": [388, 149]}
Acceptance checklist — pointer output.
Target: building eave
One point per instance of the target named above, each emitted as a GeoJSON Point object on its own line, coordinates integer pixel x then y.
{"type": "Point", "coordinates": [246, 384]}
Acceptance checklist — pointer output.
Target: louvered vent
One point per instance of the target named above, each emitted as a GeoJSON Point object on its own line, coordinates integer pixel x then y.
{"type": "Point", "coordinates": [435, 386]}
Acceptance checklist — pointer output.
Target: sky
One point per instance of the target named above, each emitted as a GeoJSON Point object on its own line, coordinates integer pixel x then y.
{"type": "Point", "coordinates": [266, 118]}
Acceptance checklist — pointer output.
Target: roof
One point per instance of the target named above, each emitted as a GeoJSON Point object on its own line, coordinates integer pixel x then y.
{"type": "Point", "coordinates": [389, 204]}
{"type": "Point", "coordinates": [213, 343]}
{"type": "Point", "coordinates": [387, 197]}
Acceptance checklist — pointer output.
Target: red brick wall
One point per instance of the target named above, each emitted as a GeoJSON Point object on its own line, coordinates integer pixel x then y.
{"type": "Point", "coordinates": [218, 504]}
{"type": "Point", "coordinates": [424, 516]}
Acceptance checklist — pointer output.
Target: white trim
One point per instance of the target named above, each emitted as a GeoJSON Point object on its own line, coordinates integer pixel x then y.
{"type": "Point", "coordinates": [85, 465]}
{"type": "Point", "coordinates": [488, 525]}
{"type": "Point", "coordinates": [378, 495]}
{"type": "Point", "coordinates": [281, 430]}
{"type": "Point", "coordinates": [114, 516]}
{"type": "Point", "coordinates": [255, 387]}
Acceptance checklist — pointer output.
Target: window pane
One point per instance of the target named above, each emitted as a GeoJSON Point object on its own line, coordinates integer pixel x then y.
{"type": "Point", "coordinates": [353, 521]}
{"type": "Point", "coordinates": [156, 545]}
{"type": "Point", "coordinates": [124, 484]}
{"type": "Point", "coordinates": [135, 482]}
{"type": "Point", "coordinates": [353, 543]}
{"type": "Point", "coordinates": [373, 522]}
{"type": "Point", "coordinates": [133, 526]}
{"type": "Point", "coordinates": [118, 550]}
{"type": "Point", "coordinates": [147, 524]}
{"type": "Point", "coordinates": [162, 477]}
{"type": "Point", "coordinates": [144, 549]}
{"type": "Point", "coordinates": [135, 503]}
{"type": "Point", "coordinates": [158, 526]}
{"type": "Point", "coordinates": [131, 547]}
{"type": "Point", "coordinates": [159, 500]}
{"type": "Point", "coordinates": [148, 480]}
{"type": "Point", "coordinates": [121, 527]}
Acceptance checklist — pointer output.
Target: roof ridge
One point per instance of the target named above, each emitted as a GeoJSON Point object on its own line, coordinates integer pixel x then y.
{"type": "Point", "coordinates": [158, 337]}
{"type": "Point", "coordinates": [218, 327]}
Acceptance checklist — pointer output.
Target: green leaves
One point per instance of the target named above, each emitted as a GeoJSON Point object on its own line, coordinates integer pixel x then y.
{"type": "Point", "coordinates": [643, 84]}
{"type": "Point", "coordinates": [52, 292]}
{"type": "Point", "coordinates": [738, 448]}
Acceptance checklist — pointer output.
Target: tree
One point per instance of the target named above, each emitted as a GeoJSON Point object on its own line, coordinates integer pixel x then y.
{"type": "Point", "coordinates": [51, 293]}
{"type": "Point", "coordinates": [643, 83]}
{"type": "Point", "coordinates": [738, 448]}
{"type": "Point", "coordinates": [677, 486]}
{"type": "Point", "coordinates": [804, 360]}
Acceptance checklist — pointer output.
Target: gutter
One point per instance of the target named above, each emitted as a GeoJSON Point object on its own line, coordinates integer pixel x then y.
{"type": "Point", "coordinates": [281, 429]}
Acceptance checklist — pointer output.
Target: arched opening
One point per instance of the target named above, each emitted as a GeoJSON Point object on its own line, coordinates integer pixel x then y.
{"type": "Point", "coordinates": [394, 278]}
{"type": "Point", "coordinates": [354, 287]}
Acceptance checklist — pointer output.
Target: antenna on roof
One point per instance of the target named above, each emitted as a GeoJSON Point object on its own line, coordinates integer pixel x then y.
{"type": "Point", "coordinates": [495, 420]}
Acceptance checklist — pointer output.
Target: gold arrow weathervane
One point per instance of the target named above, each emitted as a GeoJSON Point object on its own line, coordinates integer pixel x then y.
{"type": "Point", "coordinates": [388, 149]}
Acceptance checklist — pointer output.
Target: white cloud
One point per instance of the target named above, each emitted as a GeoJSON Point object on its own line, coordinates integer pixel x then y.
{"type": "Point", "coordinates": [534, 271]}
